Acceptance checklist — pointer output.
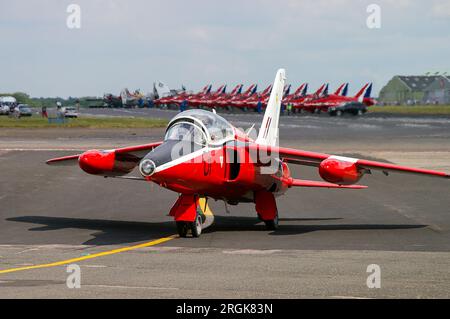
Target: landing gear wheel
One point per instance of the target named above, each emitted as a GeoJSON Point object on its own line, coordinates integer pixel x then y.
{"type": "Point", "coordinates": [339, 113]}
{"type": "Point", "coordinates": [182, 229]}
{"type": "Point", "coordinates": [272, 224]}
{"type": "Point", "coordinates": [196, 227]}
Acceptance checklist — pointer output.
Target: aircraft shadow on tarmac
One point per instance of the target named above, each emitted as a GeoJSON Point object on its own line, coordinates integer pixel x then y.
{"type": "Point", "coordinates": [112, 232]}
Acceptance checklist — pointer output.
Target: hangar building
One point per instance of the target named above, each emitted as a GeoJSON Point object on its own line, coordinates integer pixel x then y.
{"type": "Point", "coordinates": [439, 91]}
{"type": "Point", "coordinates": [407, 89]}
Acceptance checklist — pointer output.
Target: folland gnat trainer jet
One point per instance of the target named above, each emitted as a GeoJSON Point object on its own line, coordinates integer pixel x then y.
{"type": "Point", "coordinates": [203, 156]}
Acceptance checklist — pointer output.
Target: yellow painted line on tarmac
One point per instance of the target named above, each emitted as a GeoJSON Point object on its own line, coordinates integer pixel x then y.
{"type": "Point", "coordinates": [102, 254]}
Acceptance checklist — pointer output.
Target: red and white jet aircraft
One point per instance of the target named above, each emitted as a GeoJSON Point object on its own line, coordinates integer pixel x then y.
{"type": "Point", "coordinates": [204, 156]}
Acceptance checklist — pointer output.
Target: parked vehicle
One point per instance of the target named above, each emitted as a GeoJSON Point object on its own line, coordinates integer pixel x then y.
{"type": "Point", "coordinates": [7, 104]}
{"type": "Point", "coordinates": [70, 112]}
{"type": "Point", "coordinates": [354, 108]}
{"type": "Point", "coordinates": [4, 109]}
{"type": "Point", "coordinates": [24, 110]}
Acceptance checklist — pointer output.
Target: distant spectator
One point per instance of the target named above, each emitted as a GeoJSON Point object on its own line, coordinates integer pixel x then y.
{"type": "Point", "coordinates": [259, 106]}
{"type": "Point", "coordinates": [77, 105]}
{"type": "Point", "coordinates": [44, 112]}
{"type": "Point", "coordinates": [141, 102]}
{"type": "Point", "coordinates": [289, 108]}
{"type": "Point", "coordinates": [59, 112]}
{"type": "Point", "coordinates": [183, 105]}
{"type": "Point", "coordinates": [16, 112]}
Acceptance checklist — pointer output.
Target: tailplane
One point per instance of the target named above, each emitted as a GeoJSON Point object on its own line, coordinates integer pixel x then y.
{"type": "Point", "coordinates": [268, 132]}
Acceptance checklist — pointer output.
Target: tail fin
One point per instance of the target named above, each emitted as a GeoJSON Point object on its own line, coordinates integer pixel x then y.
{"type": "Point", "coordinates": [345, 90]}
{"type": "Point", "coordinates": [266, 91]}
{"type": "Point", "coordinates": [366, 93]}
{"type": "Point", "coordinates": [205, 89]}
{"type": "Point", "coordinates": [268, 133]}
{"type": "Point", "coordinates": [362, 91]}
{"type": "Point", "coordinates": [287, 90]}
{"type": "Point", "coordinates": [300, 90]}
{"type": "Point", "coordinates": [325, 90]}
{"type": "Point", "coordinates": [305, 90]}
{"type": "Point", "coordinates": [219, 90]}
{"type": "Point", "coordinates": [320, 90]}
{"type": "Point", "coordinates": [255, 89]}
{"type": "Point", "coordinates": [339, 89]}
{"type": "Point", "coordinates": [250, 88]}
{"type": "Point", "coordinates": [162, 89]}
{"type": "Point", "coordinates": [235, 90]}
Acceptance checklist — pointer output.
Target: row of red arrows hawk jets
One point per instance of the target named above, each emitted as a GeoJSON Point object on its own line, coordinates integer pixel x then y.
{"type": "Point", "coordinates": [204, 156]}
{"type": "Point", "coordinates": [301, 101]}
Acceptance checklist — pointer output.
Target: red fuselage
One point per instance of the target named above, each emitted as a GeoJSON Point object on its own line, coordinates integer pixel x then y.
{"type": "Point", "coordinates": [213, 173]}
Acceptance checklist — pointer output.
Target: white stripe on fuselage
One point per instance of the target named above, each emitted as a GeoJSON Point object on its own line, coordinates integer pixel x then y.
{"type": "Point", "coordinates": [183, 159]}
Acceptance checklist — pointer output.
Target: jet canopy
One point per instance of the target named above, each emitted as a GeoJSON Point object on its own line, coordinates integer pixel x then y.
{"type": "Point", "coordinates": [201, 127]}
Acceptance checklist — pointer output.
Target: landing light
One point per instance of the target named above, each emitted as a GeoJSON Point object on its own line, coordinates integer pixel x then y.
{"type": "Point", "coordinates": [147, 167]}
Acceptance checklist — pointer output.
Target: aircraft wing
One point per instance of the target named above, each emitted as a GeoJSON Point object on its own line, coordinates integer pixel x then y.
{"type": "Point", "coordinates": [314, 159]}
{"type": "Point", "coordinates": [115, 162]}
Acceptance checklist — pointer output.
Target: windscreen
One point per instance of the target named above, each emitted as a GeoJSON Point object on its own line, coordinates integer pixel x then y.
{"type": "Point", "coordinates": [186, 132]}
{"type": "Point", "coordinates": [218, 128]}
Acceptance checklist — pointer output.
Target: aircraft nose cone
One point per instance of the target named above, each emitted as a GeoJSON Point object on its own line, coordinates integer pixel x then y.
{"type": "Point", "coordinates": [147, 168]}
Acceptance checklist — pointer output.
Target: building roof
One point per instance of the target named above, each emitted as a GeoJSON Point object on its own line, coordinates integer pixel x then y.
{"type": "Point", "coordinates": [418, 82]}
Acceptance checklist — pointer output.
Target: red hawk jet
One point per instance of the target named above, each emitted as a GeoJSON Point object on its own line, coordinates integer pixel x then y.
{"type": "Point", "coordinates": [203, 156]}
{"type": "Point", "coordinates": [336, 104]}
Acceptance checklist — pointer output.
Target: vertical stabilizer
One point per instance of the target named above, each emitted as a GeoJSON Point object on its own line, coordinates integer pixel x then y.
{"type": "Point", "coordinates": [268, 132]}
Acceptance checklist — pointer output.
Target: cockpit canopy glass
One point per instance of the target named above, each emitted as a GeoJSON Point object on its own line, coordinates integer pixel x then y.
{"type": "Point", "coordinates": [219, 130]}
{"type": "Point", "coordinates": [184, 131]}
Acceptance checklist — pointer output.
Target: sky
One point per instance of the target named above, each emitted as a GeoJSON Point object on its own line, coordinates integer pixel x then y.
{"type": "Point", "coordinates": [132, 43]}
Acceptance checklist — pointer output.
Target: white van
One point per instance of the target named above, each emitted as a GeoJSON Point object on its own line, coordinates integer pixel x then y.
{"type": "Point", "coordinates": [6, 103]}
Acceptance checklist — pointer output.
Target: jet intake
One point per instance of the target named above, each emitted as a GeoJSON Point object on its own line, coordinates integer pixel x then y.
{"type": "Point", "coordinates": [339, 172]}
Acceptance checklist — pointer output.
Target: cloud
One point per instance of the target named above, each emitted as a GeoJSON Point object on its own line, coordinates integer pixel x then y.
{"type": "Point", "coordinates": [441, 9]}
{"type": "Point", "coordinates": [135, 42]}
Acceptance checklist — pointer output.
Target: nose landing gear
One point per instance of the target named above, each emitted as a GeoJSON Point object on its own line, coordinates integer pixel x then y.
{"type": "Point", "coordinates": [195, 227]}
{"type": "Point", "coordinates": [192, 215]}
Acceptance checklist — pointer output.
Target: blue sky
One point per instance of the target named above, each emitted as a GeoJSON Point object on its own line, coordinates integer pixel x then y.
{"type": "Point", "coordinates": [132, 43]}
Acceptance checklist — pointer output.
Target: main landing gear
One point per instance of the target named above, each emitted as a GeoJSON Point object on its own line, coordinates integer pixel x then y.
{"type": "Point", "coordinates": [266, 207]}
{"type": "Point", "coordinates": [272, 224]}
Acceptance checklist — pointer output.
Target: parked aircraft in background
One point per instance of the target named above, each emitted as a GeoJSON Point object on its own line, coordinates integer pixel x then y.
{"type": "Point", "coordinates": [335, 104]}
{"type": "Point", "coordinates": [201, 100]}
{"type": "Point", "coordinates": [252, 101]}
{"type": "Point", "coordinates": [237, 100]}
{"type": "Point", "coordinates": [299, 93]}
{"type": "Point", "coordinates": [214, 102]}
{"type": "Point", "coordinates": [178, 99]}
{"type": "Point", "coordinates": [298, 102]}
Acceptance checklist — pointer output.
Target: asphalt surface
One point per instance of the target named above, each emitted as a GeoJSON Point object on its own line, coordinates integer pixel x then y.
{"type": "Point", "coordinates": [326, 240]}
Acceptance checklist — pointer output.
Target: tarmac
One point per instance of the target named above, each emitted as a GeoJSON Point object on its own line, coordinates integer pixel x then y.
{"type": "Point", "coordinates": [119, 233]}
